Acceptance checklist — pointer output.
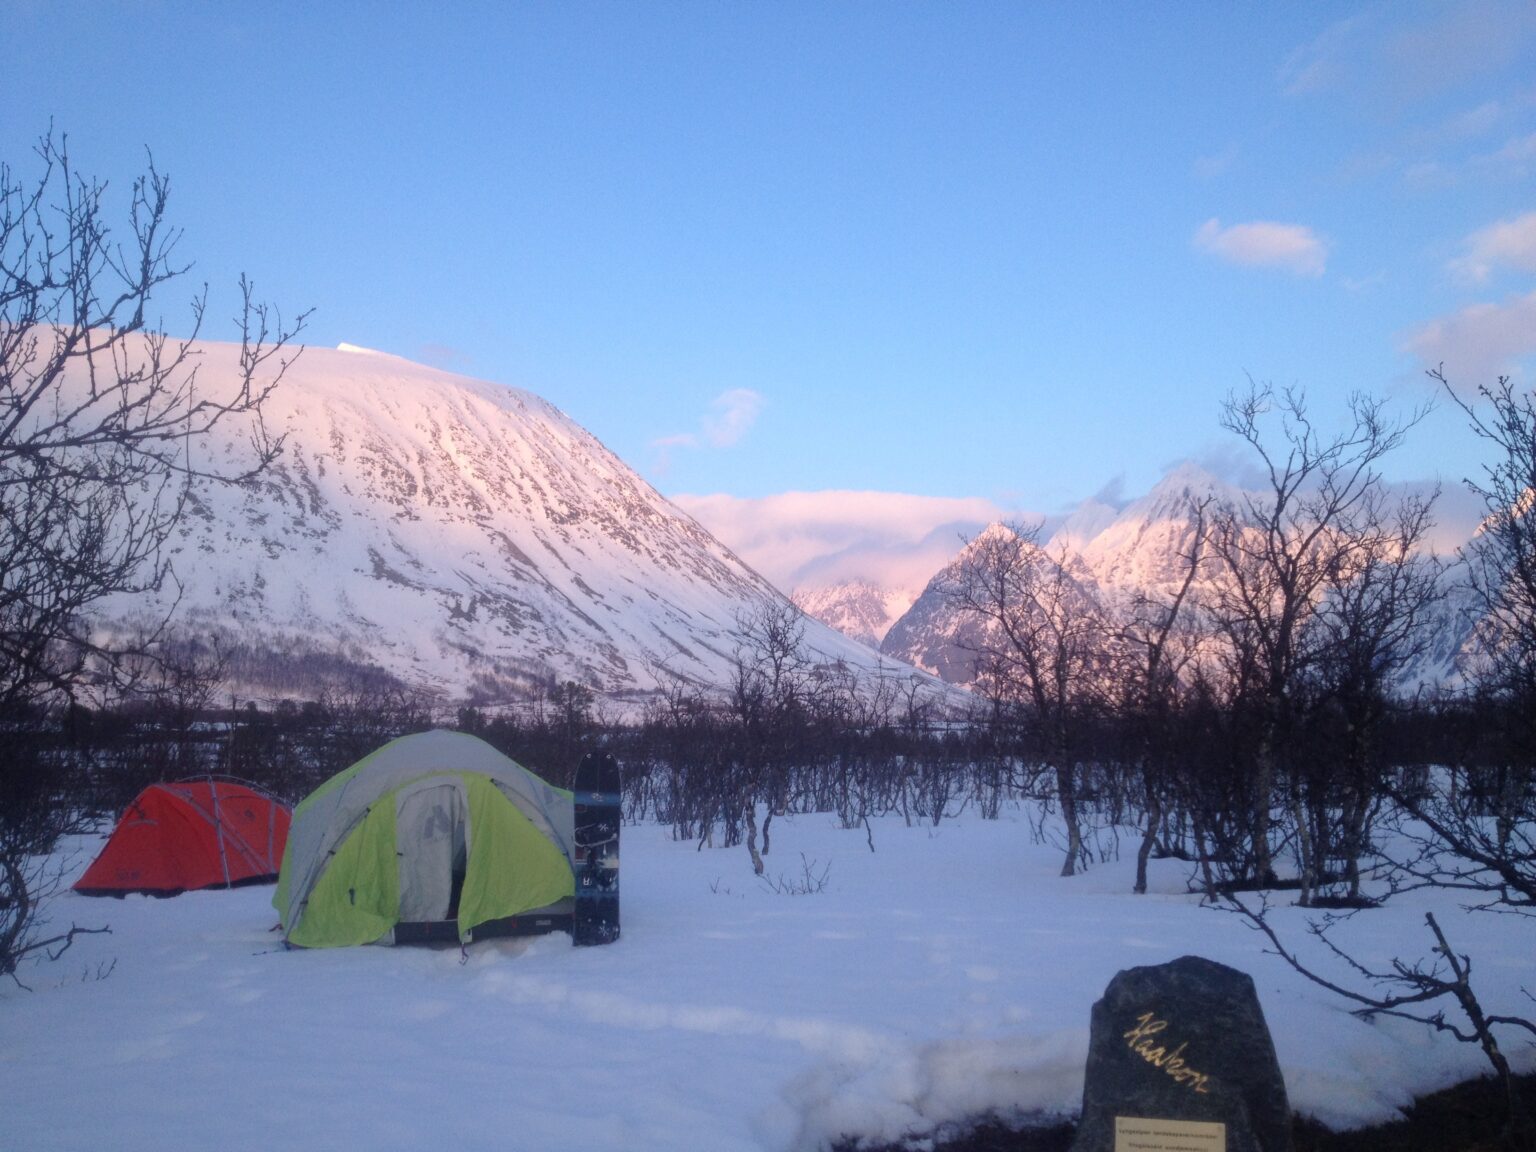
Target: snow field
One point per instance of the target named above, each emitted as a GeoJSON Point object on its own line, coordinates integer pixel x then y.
{"type": "Point", "coordinates": [949, 973]}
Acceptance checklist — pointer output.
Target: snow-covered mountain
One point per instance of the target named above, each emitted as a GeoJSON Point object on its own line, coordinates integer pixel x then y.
{"type": "Point", "coordinates": [455, 534]}
{"type": "Point", "coordinates": [936, 634]}
{"type": "Point", "coordinates": [1082, 524]}
{"type": "Point", "coordinates": [857, 609]}
{"type": "Point", "coordinates": [1147, 544]}
{"type": "Point", "coordinates": [1142, 548]}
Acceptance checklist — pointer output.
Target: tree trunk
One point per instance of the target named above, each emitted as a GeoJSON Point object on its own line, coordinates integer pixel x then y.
{"type": "Point", "coordinates": [1263, 788]}
{"type": "Point", "coordinates": [1148, 838]}
{"type": "Point", "coordinates": [750, 817]}
{"type": "Point", "coordinates": [1306, 848]}
{"type": "Point", "coordinates": [1066, 791]}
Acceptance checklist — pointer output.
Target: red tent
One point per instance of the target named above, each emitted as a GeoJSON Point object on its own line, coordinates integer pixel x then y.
{"type": "Point", "coordinates": [196, 834]}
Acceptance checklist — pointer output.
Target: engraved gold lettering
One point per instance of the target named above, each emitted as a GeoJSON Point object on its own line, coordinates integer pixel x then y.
{"type": "Point", "coordinates": [1139, 1041]}
{"type": "Point", "coordinates": [1146, 1025]}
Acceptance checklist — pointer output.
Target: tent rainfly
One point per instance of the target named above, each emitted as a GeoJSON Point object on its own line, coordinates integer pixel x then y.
{"type": "Point", "coordinates": [435, 836]}
{"type": "Point", "coordinates": [192, 834]}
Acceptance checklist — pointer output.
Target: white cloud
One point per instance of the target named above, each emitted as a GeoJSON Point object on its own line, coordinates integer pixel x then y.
{"type": "Point", "coordinates": [1514, 158]}
{"type": "Point", "coordinates": [1472, 123]}
{"type": "Point", "coordinates": [1323, 62]}
{"type": "Point", "coordinates": [1481, 342]}
{"type": "Point", "coordinates": [1219, 164]}
{"type": "Point", "coordinates": [1425, 81]}
{"type": "Point", "coordinates": [1511, 163]}
{"type": "Point", "coordinates": [1429, 175]}
{"type": "Point", "coordinates": [812, 539]}
{"type": "Point", "coordinates": [1392, 55]}
{"type": "Point", "coordinates": [1507, 244]}
{"type": "Point", "coordinates": [731, 416]}
{"type": "Point", "coordinates": [681, 440]}
{"type": "Point", "coordinates": [1456, 43]}
{"type": "Point", "coordinates": [1265, 244]}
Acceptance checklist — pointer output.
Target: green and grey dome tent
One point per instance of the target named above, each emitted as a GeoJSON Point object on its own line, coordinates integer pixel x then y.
{"type": "Point", "coordinates": [430, 837]}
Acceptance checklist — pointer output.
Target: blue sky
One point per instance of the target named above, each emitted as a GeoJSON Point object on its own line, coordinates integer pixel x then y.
{"type": "Point", "coordinates": [1009, 253]}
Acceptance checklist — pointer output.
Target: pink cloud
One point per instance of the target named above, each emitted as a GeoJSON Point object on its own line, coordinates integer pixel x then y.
{"type": "Point", "coordinates": [731, 416]}
{"type": "Point", "coordinates": [1508, 244]}
{"type": "Point", "coordinates": [1265, 244]}
{"type": "Point", "coordinates": [1481, 342]}
{"type": "Point", "coordinates": [809, 539]}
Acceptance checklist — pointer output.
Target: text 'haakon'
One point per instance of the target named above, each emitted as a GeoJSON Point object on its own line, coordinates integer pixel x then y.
{"type": "Point", "coordinates": [1140, 1041]}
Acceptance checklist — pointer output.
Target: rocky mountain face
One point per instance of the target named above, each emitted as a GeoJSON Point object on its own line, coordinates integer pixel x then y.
{"type": "Point", "coordinates": [1140, 549]}
{"type": "Point", "coordinates": [1145, 545]}
{"type": "Point", "coordinates": [936, 634]}
{"type": "Point", "coordinates": [857, 609]}
{"type": "Point", "coordinates": [451, 534]}
{"type": "Point", "coordinates": [943, 637]}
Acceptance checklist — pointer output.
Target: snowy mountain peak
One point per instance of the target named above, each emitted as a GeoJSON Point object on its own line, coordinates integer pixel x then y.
{"type": "Point", "coordinates": [1146, 546]}
{"type": "Point", "coordinates": [857, 608]}
{"type": "Point", "coordinates": [459, 535]}
{"type": "Point", "coordinates": [1084, 523]}
{"type": "Point", "coordinates": [997, 530]}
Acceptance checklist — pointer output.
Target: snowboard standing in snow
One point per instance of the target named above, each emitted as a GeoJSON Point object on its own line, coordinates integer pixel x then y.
{"type": "Point", "coordinates": [598, 817]}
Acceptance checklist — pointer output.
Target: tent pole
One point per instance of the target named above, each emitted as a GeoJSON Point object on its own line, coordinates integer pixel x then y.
{"type": "Point", "coordinates": [218, 828]}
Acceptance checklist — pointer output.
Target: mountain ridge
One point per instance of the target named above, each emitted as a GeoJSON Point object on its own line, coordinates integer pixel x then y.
{"type": "Point", "coordinates": [462, 536]}
{"type": "Point", "coordinates": [1142, 549]}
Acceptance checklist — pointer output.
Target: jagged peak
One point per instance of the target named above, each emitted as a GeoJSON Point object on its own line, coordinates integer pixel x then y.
{"type": "Point", "coordinates": [1188, 474]}
{"type": "Point", "coordinates": [995, 531]}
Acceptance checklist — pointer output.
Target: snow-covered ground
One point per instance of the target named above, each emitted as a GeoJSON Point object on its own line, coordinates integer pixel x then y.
{"type": "Point", "coordinates": [948, 973]}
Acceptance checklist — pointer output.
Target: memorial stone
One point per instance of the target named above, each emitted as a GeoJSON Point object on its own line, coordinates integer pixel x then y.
{"type": "Point", "coordinates": [1181, 1060]}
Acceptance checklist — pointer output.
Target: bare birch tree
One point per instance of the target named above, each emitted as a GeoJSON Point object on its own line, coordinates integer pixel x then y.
{"type": "Point", "coordinates": [1045, 652]}
{"type": "Point", "coordinates": [101, 414]}
{"type": "Point", "coordinates": [1277, 549]}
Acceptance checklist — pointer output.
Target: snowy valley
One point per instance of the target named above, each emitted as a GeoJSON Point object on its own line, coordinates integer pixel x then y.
{"type": "Point", "coordinates": [944, 976]}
